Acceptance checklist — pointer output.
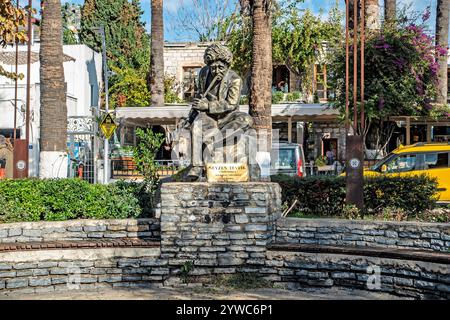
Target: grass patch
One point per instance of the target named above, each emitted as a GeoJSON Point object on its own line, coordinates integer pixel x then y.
{"type": "Point", "coordinates": [241, 281]}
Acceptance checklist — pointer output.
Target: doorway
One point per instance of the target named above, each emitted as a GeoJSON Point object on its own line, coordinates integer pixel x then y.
{"type": "Point", "coordinates": [330, 150]}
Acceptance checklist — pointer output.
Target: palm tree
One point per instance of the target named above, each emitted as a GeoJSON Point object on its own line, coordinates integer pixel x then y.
{"type": "Point", "coordinates": [53, 119]}
{"type": "Point", "coordinates": [390, 11]}
{"type": "Point", "coordinates": [260, 104]}
{"type": "Point", "coordinates": [442, 25]}
{"type": "Point", "coordinates": [157, 55]}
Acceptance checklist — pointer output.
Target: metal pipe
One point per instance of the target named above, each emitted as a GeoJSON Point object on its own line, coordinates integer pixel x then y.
{"type": "Point", "coordinates": [15, 83]}
{"type": "Point", "coordinates": [27, 125]}
{"type": "Point", "coordinates": [355, 67]}
{"type": "Point", "coordinates": [363, 48]}
{"type": "Point", "coordinates": [347, 65]}
{"type": "Point", "coordinates": [106, 142]}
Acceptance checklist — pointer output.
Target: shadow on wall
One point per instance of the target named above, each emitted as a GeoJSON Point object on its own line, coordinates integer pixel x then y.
{"type": "Point", "coordinates": [93, 80]}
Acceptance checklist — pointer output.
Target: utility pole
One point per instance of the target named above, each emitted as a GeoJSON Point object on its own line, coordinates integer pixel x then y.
{"type": "Point", "coordinates": [101, 30]}
{"type": "Point", "coordinates": [355, 141]}
{"type": "Point", "coordinates": [28, 98]}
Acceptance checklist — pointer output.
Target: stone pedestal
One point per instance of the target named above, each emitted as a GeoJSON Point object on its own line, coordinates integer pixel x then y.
{"type": "Point", "coordinates": [218, 226]}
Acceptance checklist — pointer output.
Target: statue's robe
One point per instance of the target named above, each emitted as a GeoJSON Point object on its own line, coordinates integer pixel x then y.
{"type": "Point", "coordinates": [222, 114]}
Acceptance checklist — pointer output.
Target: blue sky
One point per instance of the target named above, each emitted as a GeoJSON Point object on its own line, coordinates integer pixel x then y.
{"type": "Point", "coordinates": [172, 8]}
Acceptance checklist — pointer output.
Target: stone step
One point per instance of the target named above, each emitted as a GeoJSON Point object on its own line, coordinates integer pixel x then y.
{"type": "Point", "coordinates": [390, 253]}
{"type": "Point", "coordinates": [81, 244]}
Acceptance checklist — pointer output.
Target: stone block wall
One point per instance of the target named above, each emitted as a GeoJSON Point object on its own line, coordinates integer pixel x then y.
{"type": "Point", "coordinates": [335, 131]}
{"type": "Point", "coordinates": [218, 226]}
{"type": "Point", "coordinates": [79, 230]}
{"type": "Point", "coordinates": [181, 55]}
{"type": "Point", "coordinates": [74, 269]}
{"type": "Point", "coordinates": [416, 279]}
{"type": "Point", "coordinates": [413, 235]}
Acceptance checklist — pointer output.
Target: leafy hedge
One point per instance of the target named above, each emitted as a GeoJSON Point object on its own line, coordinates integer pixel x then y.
{"type": "Point", "coordinates": [65, 199]}
{"type": "Point", "coordinates": [325, 196]}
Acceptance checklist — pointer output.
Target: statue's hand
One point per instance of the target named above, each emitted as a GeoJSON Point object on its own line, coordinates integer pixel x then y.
{"type": "Point", "coordinates": [200, 104]}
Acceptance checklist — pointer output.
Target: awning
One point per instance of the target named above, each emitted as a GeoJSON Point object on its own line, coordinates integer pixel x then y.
{"type": "Point", "coordinates": [170, 114]}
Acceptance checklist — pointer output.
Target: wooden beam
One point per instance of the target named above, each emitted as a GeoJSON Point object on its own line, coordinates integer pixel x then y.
{"type": "Point", "coordinates": [429, 129]}
{"type": "Point", "coordinates": [300, 132]}
{"type": "Point", "coordinates": [408, 131]}
{"type": "Point", "coordinates": [290, 129]}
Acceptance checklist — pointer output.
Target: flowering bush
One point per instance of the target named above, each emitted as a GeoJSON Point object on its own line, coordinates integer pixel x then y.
{"type": "Point", "coordinates": [401, 73]}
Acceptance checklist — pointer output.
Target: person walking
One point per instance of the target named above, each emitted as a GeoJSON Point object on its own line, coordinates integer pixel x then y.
{"type": "Point", "coordinates": [6, 153]}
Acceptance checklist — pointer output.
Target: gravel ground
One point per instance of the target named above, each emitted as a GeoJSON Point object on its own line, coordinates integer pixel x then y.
{"type": "Point", "coordinates": [201, 293]}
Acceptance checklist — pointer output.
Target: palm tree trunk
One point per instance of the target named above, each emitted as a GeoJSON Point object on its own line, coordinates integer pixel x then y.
{"type": "Point", "coordinates": [390, 11]}
{"type": "Point", "coordinates": [157, 56]}
{"type": "Point", "coordinates": [372, 15]}
{"type": "Point", "coordinates": [442, 25]}
{"type": "Point", "coordinates": [260, 102]}
{"type": "Point", "coordinates": [53, 118]}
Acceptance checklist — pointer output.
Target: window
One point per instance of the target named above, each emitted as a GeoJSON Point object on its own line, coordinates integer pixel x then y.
{"type": "Point", "coordinates": [320, 82]}
{"type": "Point", "coordinates": [189, 76]}
{"type": "Point", "coordinates": [403, 163]}
{"type": "Point", "coordinates": [436, 160]}
{"type": "Point", "coordinates": [286, 159]}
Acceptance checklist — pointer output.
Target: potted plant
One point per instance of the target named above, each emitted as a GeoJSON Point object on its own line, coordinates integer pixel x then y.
{"type": "Point", "coordinates": [321, 163]}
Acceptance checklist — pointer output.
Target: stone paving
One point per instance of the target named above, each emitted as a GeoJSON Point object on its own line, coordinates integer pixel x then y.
{"type": "Point", "coordinates": [202, 293]}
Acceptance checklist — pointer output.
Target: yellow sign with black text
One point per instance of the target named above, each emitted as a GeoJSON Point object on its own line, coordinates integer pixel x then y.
{"type": "Point", "coordinates": [108, 126]}
{"type": "Point", "coordinates": [227, 172]}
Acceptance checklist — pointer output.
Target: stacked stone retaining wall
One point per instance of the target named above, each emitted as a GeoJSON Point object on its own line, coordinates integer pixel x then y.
{"type": "Point", "coordinates": [413, 235]}
{"type": "Point", "coordinates": [215, 229]}
{"type": "Point", "coordinates": [408, 278]}
{"type": "Point", "coordinates": [76, 230]}
{"type": "Point", "coordinates": [75, 269]}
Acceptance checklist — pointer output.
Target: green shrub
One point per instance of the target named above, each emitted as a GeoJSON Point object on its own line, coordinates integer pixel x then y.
{"type": "Point", "coordinates": [24, 196]}
{"type": "Point", "coordinates": [277, 97]}
{"type": "Point", "coordinates": [325, 196]}
{"type": "Point", "coordinates": [243, 100]}
{"type": "Point", "coordinates": [144, 155]}
{"type": "Point", "coordinates": [293, 96]}
{"type": "Point", "coordinates": [413, 194]}
{"type": "Point", "coordinates": [65, 199]}
{"type": "Point", "coordinates": [140, 191]}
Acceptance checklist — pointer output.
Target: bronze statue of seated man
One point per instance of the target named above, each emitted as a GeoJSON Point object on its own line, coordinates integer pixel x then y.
{"type": "Point", "coordinates": [215, 108]}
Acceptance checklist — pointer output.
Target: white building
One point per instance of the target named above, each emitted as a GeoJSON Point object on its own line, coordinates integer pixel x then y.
{"type": "Point", "coordinates": [83, 77]}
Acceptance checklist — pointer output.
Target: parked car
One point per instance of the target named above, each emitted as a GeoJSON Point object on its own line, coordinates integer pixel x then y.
{"type": "Point", "coordinates": [288, 159]}
{"type": "Point", "coordinates": [430, 158]}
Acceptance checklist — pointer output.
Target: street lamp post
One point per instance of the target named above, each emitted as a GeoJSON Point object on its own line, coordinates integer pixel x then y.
{"type": "Point", "coordinates": [101, 30]}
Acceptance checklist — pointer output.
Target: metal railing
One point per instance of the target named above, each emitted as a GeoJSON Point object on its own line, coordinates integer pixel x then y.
{"type": "Point", "coordinates": [125, 168]}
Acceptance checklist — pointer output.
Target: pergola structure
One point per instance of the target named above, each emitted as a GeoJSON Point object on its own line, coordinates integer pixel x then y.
{"type": "Point", "coordinates": [172, 114]}
{"type": "Point", "coordinates": [408, 121]}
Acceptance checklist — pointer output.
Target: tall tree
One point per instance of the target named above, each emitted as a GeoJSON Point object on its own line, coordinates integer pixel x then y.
{"type": "Point", "coordinates": [372, 15]}
{"type": "Point", "coordinates": [390, 11]}
{"type": "Point", "coordinates": [53, 121]}
{"type": "Point", "coordinates": [207, 19]}
{"type": "Point", "coordinates": [260, 102]}
{"type": "Point", "coordinates": [442, 25]}
{"type": "Point", "coordinates": [157, 54]}
{"type": "Point", "coordinates": [126, 40]}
